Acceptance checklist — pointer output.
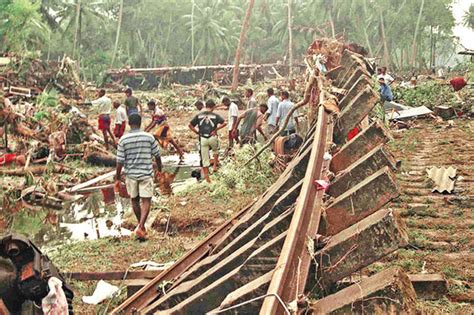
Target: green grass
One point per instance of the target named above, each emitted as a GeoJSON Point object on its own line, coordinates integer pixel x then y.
{"type": "Point", "coordinates": [417, 239]}
{"type": "Point", "coordinates": [451, 273]}
{"type": "Point", "coordinates": [442, 306]}
{"type": "Point", "coordinates": [109, 254]}
{"type": "Point", "coordinates": [421, 212]}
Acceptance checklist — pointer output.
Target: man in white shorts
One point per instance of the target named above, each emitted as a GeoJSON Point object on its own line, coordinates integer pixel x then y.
{"type": "Point", "coordinates": [205, 125]}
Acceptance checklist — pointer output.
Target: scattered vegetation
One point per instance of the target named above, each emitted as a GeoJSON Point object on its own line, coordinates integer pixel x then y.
{"type": "Point", "coordinates": [429, 94]}
{"type": "Point", "coordinates": [233, 178]}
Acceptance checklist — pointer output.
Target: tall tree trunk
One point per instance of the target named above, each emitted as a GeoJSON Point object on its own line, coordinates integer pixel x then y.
{"type": "Point", "coordinates": [76, 32]}
{"type": "Point", "coordinates": [366, 35]}
{"type": "Point", "coordinates": [414, 52]}
{"type": "Point", "coordinates": [243, 33]}
{"type": "Point", "coordinates": [331, 20]}
{"type": "Point", "coordinates": [117, 36]}
{"type": "Point", "coordinates": [79, 41]}
{"type": "Point", "coordinates": [386, 55]}
{"type": "Point", "coordinates": [192, 34]}
{"type": "Point", "coordinates": [290, 41]}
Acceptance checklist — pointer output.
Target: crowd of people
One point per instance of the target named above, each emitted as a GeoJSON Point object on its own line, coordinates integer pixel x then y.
{"type": "Point", "coordinates": [139, 148]}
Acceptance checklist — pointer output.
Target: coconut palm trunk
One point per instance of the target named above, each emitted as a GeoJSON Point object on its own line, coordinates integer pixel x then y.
{"type": "Point", "coordinates": [290, 41]}
{"type": "Point", "coordinates": [243, 33]}
{"type": "Point", "coordinates": [78, 25]}
{"type": "Point", "coordinates": [117, 36]}
{"type": "Point", "coordinates": [414, 46]}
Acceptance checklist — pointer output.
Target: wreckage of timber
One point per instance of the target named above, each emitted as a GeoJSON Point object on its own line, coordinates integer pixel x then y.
{"type": "Point", "coordinates": [268, 258]}
{"type": "Point", "coordinates": [144, 78]}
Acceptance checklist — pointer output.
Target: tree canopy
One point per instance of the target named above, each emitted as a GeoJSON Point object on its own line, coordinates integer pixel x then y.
{"type": "Point", "coordinates": [166, 32]}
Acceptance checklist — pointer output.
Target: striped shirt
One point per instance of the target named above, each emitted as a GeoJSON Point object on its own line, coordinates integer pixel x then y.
{"type": "Point", "coordinates": [135, 151]}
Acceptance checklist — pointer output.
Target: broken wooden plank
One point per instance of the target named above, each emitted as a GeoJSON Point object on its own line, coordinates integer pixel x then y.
{"type": "Point", "coordinates": [112, 275]}
{"type": "Point", "coordinates": [429, 286]}
{"type": "Point", "coordinates": [357, 247]}
{"type": "Point", "coordinates": [91, 182]}
{"type": "Point", "coordinates": [360, 85]}
{"type": "Point", "coordinates": [376, 159]}
{"type": "Point", "coordinates": [387, 292]}
{"type": "Point", "coordinates": [360, 201]}
{"type": "Point", "coordinates": [353, 75]}
{"type": "Point", "coordinates": [359, 146]}
{"type": "Point", "coordinates": [247, 292]}
{"type": "Point", "coordinates": [36, 170]}
{"type": "Point", "coordinates": [354, 112]}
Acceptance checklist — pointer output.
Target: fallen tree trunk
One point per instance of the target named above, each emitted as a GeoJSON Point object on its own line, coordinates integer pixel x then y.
{"type": "Point", "coordinates": [35, 170]}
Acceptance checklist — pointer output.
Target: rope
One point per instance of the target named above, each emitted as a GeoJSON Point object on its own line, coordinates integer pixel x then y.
{"type": "Point", "coordinates": [287, 311]}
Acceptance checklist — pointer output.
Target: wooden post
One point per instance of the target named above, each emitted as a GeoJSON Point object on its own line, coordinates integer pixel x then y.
{"type": "Point", "coordinates": [117, 36]}
{"type": "Point", "coordinates": [290, 42]}
{"type": "Point", "coordinates": [76, 32]}
{"type": "Point", "coordinates": [243, 32]}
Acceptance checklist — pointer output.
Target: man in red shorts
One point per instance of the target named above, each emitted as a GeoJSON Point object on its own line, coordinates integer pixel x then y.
{"type": "Point", "coordinates": [458, 83]}
{"type": "Point", "coordinates": [103, 106]}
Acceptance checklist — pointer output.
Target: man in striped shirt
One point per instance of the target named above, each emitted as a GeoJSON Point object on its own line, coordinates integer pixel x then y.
{"type": "Point", "coordinates": [134, 154]}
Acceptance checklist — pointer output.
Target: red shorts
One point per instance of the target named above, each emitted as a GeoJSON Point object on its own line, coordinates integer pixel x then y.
{"type": "Point", "coordinates": [104, 122]}
{"type": "Point", "coordinates": [119, 130]}
{"type": "Point", "coordinates": [7, 158]}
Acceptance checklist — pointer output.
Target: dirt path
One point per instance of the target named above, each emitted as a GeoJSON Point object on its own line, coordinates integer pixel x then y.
{"type": "Point", "coordinates": [440, 226]}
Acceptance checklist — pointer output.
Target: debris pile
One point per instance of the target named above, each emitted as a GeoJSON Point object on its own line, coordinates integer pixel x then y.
{"type": "Point", "coordinates": [37, 75]}
{"type": "Point", "coordinates": [150, 78]}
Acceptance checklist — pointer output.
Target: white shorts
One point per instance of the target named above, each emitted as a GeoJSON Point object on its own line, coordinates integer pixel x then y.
{"type": "Point", "coordinates": [208, 144]}
{"type": "Point", "coordinates": [140, 188]}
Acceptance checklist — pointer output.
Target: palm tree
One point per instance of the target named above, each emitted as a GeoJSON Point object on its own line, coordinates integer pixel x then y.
{"type": "Point", "coordinates": [468, 18]}
{"type": "Point", "coordinates": [73, 14]}
{"type": "Point", "coordinates": [209, 31]}
{"type": "Point", "coordinates": [117, 36]}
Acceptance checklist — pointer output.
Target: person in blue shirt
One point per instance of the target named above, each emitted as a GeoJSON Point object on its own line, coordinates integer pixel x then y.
{"type": "Point", "coordinates": [385, 91]}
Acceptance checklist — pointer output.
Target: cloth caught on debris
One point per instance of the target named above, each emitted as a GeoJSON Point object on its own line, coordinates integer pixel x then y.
{"type": "Point", "coordinates": [102, 292]}
{"type": "Point", "coordinates": [151, 265]}
{"type": "Point", "coordinates": [443, 178]}
{"type": "Point", "coordinates": [55, 303]}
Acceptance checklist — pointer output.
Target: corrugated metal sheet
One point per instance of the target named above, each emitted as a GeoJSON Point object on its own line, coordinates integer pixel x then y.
{"type": "Point", "coordinates": [443, 178]}
{"type": "Point", "coordinates": [409, 113]}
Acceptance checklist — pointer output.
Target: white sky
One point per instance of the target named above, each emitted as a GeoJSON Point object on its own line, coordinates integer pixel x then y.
{"type": "Point", "coordinates": [465, 34]}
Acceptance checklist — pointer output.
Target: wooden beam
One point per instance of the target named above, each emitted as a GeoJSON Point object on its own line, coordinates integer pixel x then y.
{"type": "Point", "coordinates": [91, 182]}
{"type": "Point", "coordinates": [112, 275]}
{"type": "Point", "coordinates": [387, 292]}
